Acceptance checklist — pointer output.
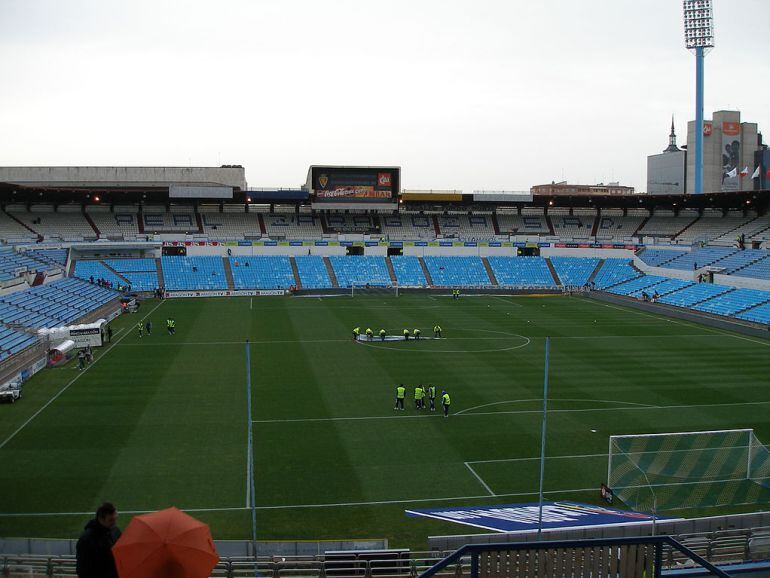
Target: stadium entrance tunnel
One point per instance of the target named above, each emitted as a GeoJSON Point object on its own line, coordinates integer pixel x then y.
{"type": "Point", "coordinates": [457, 341]}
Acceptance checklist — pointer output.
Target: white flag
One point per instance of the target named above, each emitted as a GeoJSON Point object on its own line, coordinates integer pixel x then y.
{"type": "Point", "coordinates": [745, 171]}
{"type": "Point", "coordinates": [732, 174]}
{"type": "Point", "coordinates": [756, 173]}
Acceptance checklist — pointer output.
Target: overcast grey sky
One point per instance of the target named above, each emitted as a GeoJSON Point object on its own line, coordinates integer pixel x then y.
{"type": "Point", "coordinates": [468, 95]}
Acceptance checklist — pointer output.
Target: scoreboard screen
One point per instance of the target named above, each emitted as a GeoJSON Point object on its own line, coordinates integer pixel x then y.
{"type": "Point", "coordinates": [354, 184]}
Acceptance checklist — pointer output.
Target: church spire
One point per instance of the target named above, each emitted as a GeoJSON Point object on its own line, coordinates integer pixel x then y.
{"type": "Point", "coordinates": [672, 148]}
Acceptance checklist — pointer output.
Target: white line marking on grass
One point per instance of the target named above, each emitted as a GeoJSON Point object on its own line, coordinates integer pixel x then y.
{"type": "Point", "coordinates": [479, 478]}
{"type": "Point", "coordinates": [73, 380]}
{"type": "Point", "coordinates": [462, 411]}
{"type": "Point", "coordinates": [516, 412]}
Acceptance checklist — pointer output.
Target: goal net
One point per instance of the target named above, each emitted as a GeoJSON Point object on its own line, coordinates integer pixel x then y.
{"type": "Point", "coordinates": [358, 289]}
{"type": "Point", "coordinates": [668, 471]}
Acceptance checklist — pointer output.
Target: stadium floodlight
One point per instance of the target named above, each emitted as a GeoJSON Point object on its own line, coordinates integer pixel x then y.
{"type": "Point", "coordinates": [698, 36]}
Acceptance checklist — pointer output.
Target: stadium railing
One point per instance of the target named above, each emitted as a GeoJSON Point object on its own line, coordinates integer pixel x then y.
{"type": "Point", "coordinates": [638, 556]}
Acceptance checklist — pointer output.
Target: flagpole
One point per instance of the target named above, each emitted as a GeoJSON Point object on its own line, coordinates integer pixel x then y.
{"type": "Point", "coordinates": [542, 442]}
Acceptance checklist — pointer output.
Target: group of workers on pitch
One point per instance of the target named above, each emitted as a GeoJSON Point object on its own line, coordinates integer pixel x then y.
{"type": "Point", "coordinates": [415, 334]}
{"type": "Point", "coordinates": [142, 327]}
{"type": "Point", "coordinates": [420, 393]}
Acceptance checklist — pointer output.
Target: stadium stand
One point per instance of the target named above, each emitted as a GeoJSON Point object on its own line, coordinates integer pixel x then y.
{"type": "Point", "coordinates": [614, 226]}
{"type": "Point", "coordinates": [408, 271]}
{"type": "Point", "coordinates": [570, 226]}
{"type": "Point", "coordinates": [12, 232]}
{"type": "Point", "coordinates": [670, 285]}
{"type": "Point", "coordinates": [407, 226]}
{"type": "Point", "coordinates": [760, 314]}
{"type": "Point", "coordinates": [292, 226]}
{"type": "Point", "coordinates": [232, 225]}
{"type": "Point", "coordinates": [312, 272]}
{"type": "Point", "coordinates": [351, 223]}
{"type": "Point", "coordinates": [12, 342]}
{"type": "Point", "coordinates": [97, 270]}
{"type": "Point", "coordinates": [193, 273]}
{"type": "Point", "coordinates": [635, 287]}
{"type": "Point", "coordinates": [265, 272]}
{"type": "Point", "coordinates": [67, 223]}
{"type": "Point", "coordinates": [14, 263]}
{"type": "Point", "coordinates": [729, 304]}
{"type": "Point", "coordinates": [180, 219]}
{"type": "Point", "coordinates": [713, 224]}
{"type": "Point", "coordinates": [462, 271]}
{"type": "Point", "coordinates": [694, 294]}
{"type": "Point", "coordinates": [688, 261]}
{"type": "Point", "coordinates": [740, 259]}
{"type": "Point", "coordinates": [466, 227]}
{"type": "Point", "coordinates": [614, 271]}
{"type": "Point", "coordinates": [658, 257]}
{"type": "Point", "coordinates": [122, 223]}
{"type": "Point", "coordinates": [530, 222]}
{"type": "Point", "coordinates": [521, 271]}
{"type": "Point", "coordinates": [759, 269]}
{"type": "Point", "coordinates": [141, 274]}
{"type": "Point", "coordinates": [360, 270]}
{"type": "Point", "coordinates": [755, 229]}
{"type": "Point", "coordinates": [664, 223]}
{"type": "Point", "coordinates": [574, 271]}
{"type": "Point", "coordinates": [56, 257]}
{"type": "Point", "coordinates": [58, 303]}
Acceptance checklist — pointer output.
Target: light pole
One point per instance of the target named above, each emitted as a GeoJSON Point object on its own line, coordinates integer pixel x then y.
{"type": "Point", "coordinates": [698, 36]}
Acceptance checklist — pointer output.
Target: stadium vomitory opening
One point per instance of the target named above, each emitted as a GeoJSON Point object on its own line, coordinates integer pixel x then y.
{"type": "Point", "coordinates": [349, 373]}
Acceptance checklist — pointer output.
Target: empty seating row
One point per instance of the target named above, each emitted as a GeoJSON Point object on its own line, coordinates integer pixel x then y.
{"type": "Point", "coordinates": [694, 294]}
{"type": "Point", "coordinates": [360, 270]}
{"type": "Point", "coordinates": [266, 272]}
{"type": "Point", "coordinates": [408, 271]}
{"type": "Point", "coordinates": [574, 271]}
{"type": "Point", "coordinates": [312, 272]}
{"type": "Point", "coordinates": [461, 271]}
{"type": "Point", "coordinates": [469, 227]}
{"type": "Point", "coordinates": [733, 302]}
{"type": "Point", "coordinates": [193, 273]}
{"type": "Point", "coordinates": [521, 271]}
{"type": "Point", "coordinates": [94, 270]}
{"type": "Point", "coordinates": [12, 342]}
{"type": "Point", "coordinates": [614, 271]}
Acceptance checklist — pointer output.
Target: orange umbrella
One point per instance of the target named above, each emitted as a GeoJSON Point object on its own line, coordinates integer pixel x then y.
{"type": "Point", "coordinates": [165, 544]}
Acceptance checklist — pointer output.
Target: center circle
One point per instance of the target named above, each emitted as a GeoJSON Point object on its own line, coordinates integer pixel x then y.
{"type": "Point", "coordinates": [460, 341]}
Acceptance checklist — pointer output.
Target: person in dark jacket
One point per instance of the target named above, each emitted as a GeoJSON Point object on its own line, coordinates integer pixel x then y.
{"type": "Point", "coordinates": [94, 548]}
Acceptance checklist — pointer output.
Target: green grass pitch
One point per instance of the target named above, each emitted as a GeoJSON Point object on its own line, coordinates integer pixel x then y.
{"type": "Point", "coordinates": [162, 420]}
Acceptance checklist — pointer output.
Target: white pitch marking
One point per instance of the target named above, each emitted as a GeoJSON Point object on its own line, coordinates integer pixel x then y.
{"type": "Point", "coordinates": [462, 411]}
{"type": "Point", "coordinates": [479, 478]}
{"type": "Point", "coordinates": [516, 412]}
{"type": "Point", "coordinates": [73, 380]}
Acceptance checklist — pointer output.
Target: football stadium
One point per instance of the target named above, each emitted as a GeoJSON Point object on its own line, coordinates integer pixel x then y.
{"type": "Point", "coordinates": [352, 377]}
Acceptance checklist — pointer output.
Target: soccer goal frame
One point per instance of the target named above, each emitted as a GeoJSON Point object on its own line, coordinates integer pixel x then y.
{"type": "Point", "coordinates": [748, 431]}
{"type": "Point", "coordinates": [367, 289]}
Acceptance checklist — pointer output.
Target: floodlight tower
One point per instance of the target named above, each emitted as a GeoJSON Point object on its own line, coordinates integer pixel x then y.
{"type": "Point", "coordinates": [698, 36]}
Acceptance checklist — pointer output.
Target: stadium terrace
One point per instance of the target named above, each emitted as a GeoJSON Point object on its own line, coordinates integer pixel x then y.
{"type": "Point", "coordinates": [170, 336]}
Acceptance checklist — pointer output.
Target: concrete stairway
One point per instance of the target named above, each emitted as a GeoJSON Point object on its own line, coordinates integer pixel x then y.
{"type": "Point", "coordinates": [228, 273]}
{"type": "Point", "coordinates": [295, 271]}
{"type": "Point", "coordinates": [490, 272]}
{"type": "Point", "coordinates": [425, 272]}
{"type": "Point", "coordinates": [554, 274]}
{"type": "Point", "coordinates": [330, 271]}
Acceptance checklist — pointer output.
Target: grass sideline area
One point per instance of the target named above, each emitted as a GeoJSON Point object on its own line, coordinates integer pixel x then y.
{"type": "Point", "coordinates": [162, 420]}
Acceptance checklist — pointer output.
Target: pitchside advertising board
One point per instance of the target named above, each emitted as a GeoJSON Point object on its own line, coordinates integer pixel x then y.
{"type": "Point", "coordinates": [357, 185]}
{"type": "Point", "coordinates": [524, 517]}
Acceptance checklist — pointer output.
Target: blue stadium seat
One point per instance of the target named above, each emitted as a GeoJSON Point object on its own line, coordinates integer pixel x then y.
{"type": "Point", "coordinates": [267, 272]}
{"type": "Point", "coordinates": [360, 270]}
{"type": "Point", "coordinates": [408, 271]}
{"type": "Point", "coordinates": [461, 271]}
{"type": "Point", "coordinates": [574, 271]}
{"type": "Point", "coordinates": [193, 273]}
{"type": "Point", "coordinates": [760, 314]}
{"type": "Point", "coordinates": [734, 302]}
{"type": "Point", "coordinates": [312, 272]}
{"type": "Point", "coordinates": [614, 271]}
{"type": "Point", "coordinates": [694, 294]}
{"type": "Point", "coordinates": [521, 271]}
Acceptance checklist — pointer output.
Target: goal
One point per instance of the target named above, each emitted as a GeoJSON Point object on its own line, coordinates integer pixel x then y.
{"type": "Point", "coordinates": [665, 471]}
{"type": "Point", "coordinates": [359, 289]}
